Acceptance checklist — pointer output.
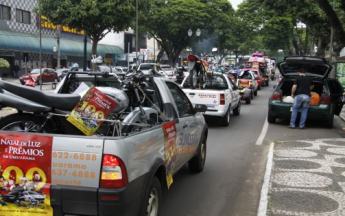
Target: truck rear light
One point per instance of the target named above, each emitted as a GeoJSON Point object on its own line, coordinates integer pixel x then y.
{"type": "Point", "coordinates": [222, 99]}
{"type": "Point", "coordinates": [276, 96]}
{"type": "Point", "coordinates": [325, 99]}
{"type": "Point", "coordinates": [114, 172]}
{"type": "Point", "coordinates": [191, 58]}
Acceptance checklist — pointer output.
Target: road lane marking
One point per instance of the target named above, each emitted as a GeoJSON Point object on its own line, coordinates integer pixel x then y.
{"type": "Point", "coordinates": [265, 185]}
{"type": "Point", "coordinates": [263, 133]}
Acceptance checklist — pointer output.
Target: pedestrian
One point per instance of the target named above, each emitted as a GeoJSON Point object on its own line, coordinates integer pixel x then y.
{"type": "Point", "coordinates": [16, 71]}
{"type": "Point", "coordinates": [301, 93]}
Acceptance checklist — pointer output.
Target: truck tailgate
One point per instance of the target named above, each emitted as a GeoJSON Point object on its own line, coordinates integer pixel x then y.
{"type": "Point", "coordinates": [208, 97]}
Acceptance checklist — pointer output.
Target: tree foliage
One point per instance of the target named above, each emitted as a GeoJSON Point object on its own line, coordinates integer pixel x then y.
{"type": "Point", "coordinates": [4, 63]}
{"type": "Point", "coordinates": [96, 17]}
{"type": "Point", "coordinates": [168, 21]}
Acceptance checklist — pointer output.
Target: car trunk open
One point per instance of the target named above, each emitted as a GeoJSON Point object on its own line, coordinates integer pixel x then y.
{"type": "Point", "coordinates": [285, 88]}
{"type": "Point", "coordinates": [313, 66]}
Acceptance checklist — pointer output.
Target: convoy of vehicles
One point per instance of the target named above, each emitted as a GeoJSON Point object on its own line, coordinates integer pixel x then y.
{"type": "Point", "coordinates": [156, 127]}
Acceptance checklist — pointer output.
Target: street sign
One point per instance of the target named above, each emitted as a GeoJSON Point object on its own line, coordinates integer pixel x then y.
{"type": "Point", "coordinates": [143, 51]}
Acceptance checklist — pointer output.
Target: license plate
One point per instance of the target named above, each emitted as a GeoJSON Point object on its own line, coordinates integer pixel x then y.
{"type": "Point", "coordinates": [211, 106]}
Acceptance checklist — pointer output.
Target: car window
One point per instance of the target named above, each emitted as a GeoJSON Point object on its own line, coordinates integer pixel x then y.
{"type": "Point", "coordinates": [182, 102]}
{"type": "Point", "coordinates": [216, 82]}
{"type": "Point", "coordinates": [146, 67]}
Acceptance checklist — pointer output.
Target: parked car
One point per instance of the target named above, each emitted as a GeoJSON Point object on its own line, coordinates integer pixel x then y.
{"type": "Point", "coordinates": [146, 68]}
{"type": "Point", "coordinates": [62, 72]}
{"type": "Point", "coordinates": [48, 75]}
{"type": "Point", "coordinates": [329, 90]}
{"type": "Point", "coordinates": [120, 71]}
{"type": "Point", "coordinates": [170, 72]}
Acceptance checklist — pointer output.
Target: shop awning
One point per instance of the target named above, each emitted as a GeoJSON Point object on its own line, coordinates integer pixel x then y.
{"type": "Point", "coordinates": [15, 41]}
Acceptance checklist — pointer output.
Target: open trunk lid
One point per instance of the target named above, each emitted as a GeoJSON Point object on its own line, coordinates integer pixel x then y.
{"type": "Point", "coordinates": [313, 66]}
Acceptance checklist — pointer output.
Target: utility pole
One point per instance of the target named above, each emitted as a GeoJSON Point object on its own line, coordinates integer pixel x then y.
{"type": "Point", "coordinates": [85, 50]}
{"type": "Point", "coordinates": [136, 32]}
{"type": "Point", "coordinates": [58, 46]}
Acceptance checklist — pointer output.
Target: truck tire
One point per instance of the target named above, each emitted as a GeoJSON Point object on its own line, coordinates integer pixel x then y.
{"type": "Point", "coordinates": [248, 100]}
{"type": "Point", "coordinates": [197, 163]}
{"type": "Point", "coordinates": [226, 118]}
{"type": "Point", "coordinates": [153, 198]}
{"type": "Point", "coordinates": [256, 93]}
{"type": "Point", "coordinates": [270, 118]}
{"type": "Point", "coordinates": [252, 94]}
{"type": "Point", "coordinates": [259, 87]}
{"type": "Point", "coordinates": [237, 109]}
{"type": "Point", "coordinates": [329, 122]}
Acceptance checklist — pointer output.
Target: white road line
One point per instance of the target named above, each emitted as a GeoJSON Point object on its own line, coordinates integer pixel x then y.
{"type": "Point", "coordinates": [265, 186]}
{"type": "Point", "coordinates": [263, 133]}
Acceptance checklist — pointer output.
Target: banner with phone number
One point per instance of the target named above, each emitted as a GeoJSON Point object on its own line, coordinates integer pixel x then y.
{"type": "Point", "coordinates": [170, 150]}
{"type": "Point", "coordinates": [25, 174]}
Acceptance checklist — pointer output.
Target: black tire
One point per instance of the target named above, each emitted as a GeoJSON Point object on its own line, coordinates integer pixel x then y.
{"type": "Point", "coordinates": [252, 95]}
{"type": "Point", "coordinates": [256, 93]}
{"type": "Point", "coordinates": [248, 100]}
{"type": "Point", "coordinates": [153, 198]}
{"type": "Point", "coordinates": [329, 123]}
{"type": "Point", "coordinates": [270, 118]}
{"type": "Point", "coordinates": [226, 118]}
{"type": "Point", "coordinates": [237, 109]}
{"type": "Point", "coordinates": [259, 87]}
{"type": "Point", "coordinates": [21, 122]}
{"type": "Point", "coordinates": [197, 163]}
{"type": "Point", "coordinates": [57, 79]}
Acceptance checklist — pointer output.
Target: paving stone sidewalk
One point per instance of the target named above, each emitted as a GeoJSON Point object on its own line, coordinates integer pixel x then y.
{"type": "Point", "coordinates": [308, 178]}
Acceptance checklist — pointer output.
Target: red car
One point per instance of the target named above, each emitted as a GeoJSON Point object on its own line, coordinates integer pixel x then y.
{"type": "Point", "coordinates": [48, 75]}
{"type": "Point", "coordinates": [258, 76]}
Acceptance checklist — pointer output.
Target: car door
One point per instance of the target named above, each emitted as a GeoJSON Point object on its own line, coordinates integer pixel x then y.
{"type": "Point", "coordinates": [188, 129]}
{"type": "Point", "coordinates": [336, 90]}
{"type": "Point", "coordinates": [234, 94]}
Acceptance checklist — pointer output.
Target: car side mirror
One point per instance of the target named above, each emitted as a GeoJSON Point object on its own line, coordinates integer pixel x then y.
{"type": "Point", "coordinates": [200, 108]}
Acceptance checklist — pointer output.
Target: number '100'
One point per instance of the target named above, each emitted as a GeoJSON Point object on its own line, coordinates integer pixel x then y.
{"type": "Point", "coordinates": [29, 175]}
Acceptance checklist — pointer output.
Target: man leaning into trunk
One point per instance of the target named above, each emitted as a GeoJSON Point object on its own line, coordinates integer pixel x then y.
{"type": "Point", "coordinates": [301, 93]}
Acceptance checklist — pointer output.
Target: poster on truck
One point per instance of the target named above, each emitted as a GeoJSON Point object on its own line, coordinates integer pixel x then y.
{"type": "Point", "coordinates": [25, 174]}
{"type": "Point", "coordinates": [170, 151]}
{"type": "Point", "coordinates": [88, 114]}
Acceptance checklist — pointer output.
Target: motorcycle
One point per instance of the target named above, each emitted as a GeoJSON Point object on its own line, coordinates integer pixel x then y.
{"type": "Point", "coordinates": [41, 112]}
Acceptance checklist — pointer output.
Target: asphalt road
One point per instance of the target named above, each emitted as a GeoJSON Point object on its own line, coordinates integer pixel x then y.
{"type": "Point", "coordinates": [235, 166]}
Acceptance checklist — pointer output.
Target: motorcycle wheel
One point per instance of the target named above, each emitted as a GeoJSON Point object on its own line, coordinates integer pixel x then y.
{"type": "Point", "coordinates": [20, 122]}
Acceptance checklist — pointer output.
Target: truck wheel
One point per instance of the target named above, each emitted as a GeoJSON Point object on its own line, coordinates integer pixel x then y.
{"type": "Point", "coordinates": [248, 100]}
{"type": "Point", "coordinates": [226, 118]}
{"type": "Point", "coordinates": [153, 198]}
{"type": "Point", "coordinates": [271, 118]}
{"type": "Point", "coordinates": [252, 95]}
{"type": "Point", "coordinates": [237, 110]}
{"type": "Point", "coordinates": [197, 163]}
{"type": "Point", "coordinates": [259, 87]}
{"type": "Point", "coordinates": [256, 93]}
{"type": "Point", "coordinates": [329, 123]}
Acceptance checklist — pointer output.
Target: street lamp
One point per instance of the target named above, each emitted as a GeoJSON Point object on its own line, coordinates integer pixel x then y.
{"type": "Point", "coordinates": [190, 32]}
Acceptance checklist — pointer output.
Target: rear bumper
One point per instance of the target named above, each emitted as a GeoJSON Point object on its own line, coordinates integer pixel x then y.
{"type": "Point", "coordinates": [213, 112]}
{"type": "Point", "coordinates": [281, 110]}
{"type": "Point", "coordinates": [76, 200]}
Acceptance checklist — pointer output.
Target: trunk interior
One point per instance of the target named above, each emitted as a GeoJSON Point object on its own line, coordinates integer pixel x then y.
{"type": "Point", "coordinates": [286, 87]}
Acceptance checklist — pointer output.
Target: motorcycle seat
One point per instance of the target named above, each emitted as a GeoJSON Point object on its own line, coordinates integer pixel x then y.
{"type": "Point", "coordinates": [58, 101]}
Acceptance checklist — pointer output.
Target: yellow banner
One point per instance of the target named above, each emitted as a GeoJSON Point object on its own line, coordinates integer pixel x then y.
{"type": "Point", "coordinates": [45, 23]}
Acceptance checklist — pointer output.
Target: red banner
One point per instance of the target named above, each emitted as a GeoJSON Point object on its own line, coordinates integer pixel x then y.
{"type": "Point", "coordinates": [25, 174]}
{"type": "Point", "coordinates": [170, 152]}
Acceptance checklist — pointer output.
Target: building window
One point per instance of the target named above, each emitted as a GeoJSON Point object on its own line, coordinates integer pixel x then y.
{"type": "Point", "coordinates": [5, 12]}
{"type": "Point", "coordinates": [23, 16]}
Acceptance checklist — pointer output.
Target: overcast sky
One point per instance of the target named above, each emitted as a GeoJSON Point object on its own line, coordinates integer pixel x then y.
{"type": "Point", "coordinates": [234, 3]}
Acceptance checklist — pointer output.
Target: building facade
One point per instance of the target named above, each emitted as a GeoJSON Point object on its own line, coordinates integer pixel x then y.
{"type": "Point", "coordinates": [23, 34]}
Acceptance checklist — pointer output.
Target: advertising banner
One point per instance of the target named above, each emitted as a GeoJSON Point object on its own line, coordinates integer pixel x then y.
{"type": "Point", "coordinates": [170, 151]}
{"type": "Point", "coordinates": [25, 174]}
{"type": "Point", "coordinates": [92, 108]}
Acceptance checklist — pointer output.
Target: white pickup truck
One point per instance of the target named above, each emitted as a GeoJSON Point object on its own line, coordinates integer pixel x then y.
{"type": "Point", "coordinates": [117, 174]}
{"type": "Point", "coordinates": [218, 93]}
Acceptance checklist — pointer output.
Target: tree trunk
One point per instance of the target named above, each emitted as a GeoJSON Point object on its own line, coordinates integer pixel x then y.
{"type": "Point", "coordinates": [94, 52]}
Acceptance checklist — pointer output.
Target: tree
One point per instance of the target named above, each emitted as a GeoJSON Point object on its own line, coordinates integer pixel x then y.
{"type": "Point", "coordinates": [96, 17]}
{"type": "Point", "coordinates": [3, 64]}
{"type": "Point", "coordinates": [168, 21]}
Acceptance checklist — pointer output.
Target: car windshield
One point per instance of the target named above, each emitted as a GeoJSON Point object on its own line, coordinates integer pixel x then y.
{"type": "Point", "coordinates": [36, 71]}
{"type": "Point", "coordinates": [146, 67]}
